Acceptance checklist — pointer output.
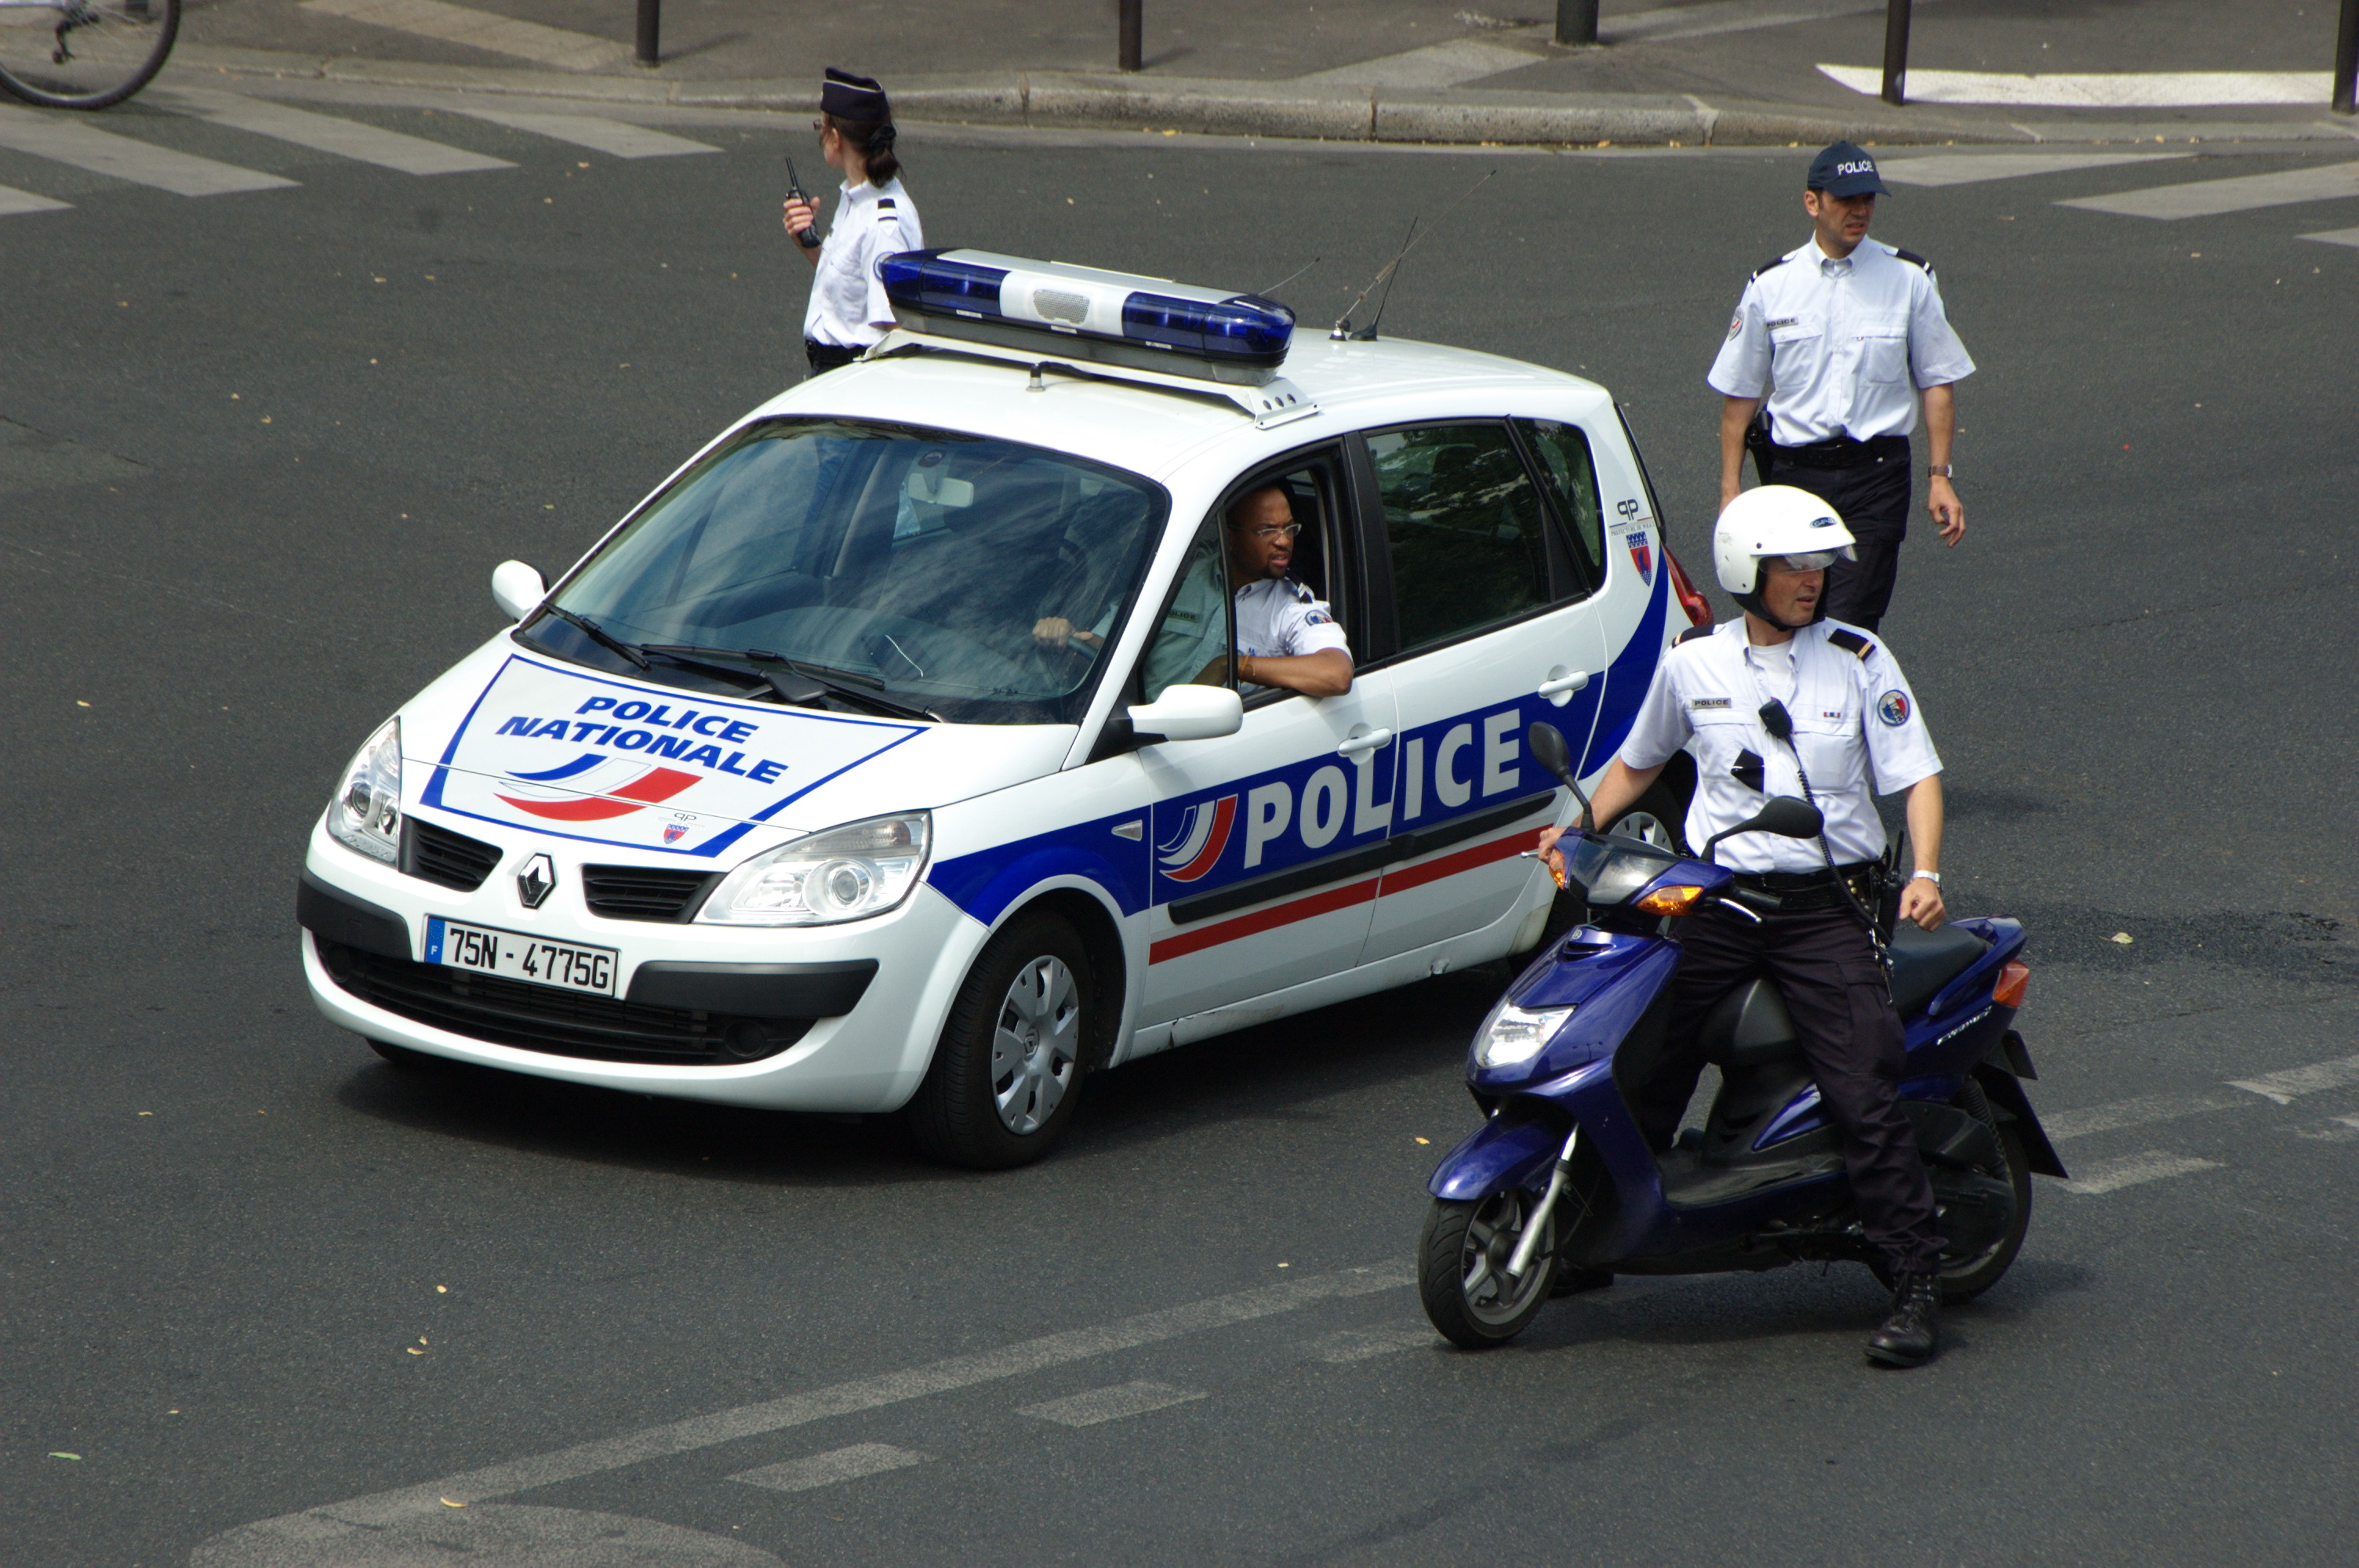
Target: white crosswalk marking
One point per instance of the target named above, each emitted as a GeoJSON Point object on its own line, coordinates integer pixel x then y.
{"type": "Point", "coordinates": [126, 158]}
{"type": "Point", "coordinates": [2284, 1086]}
{"type": "Point", "coordinates": [2337, 236]}
{"type": "Point", "coordinates": [1352, 1345]}
{"type": "Point", "coordinates": [2131, 1170]}
{"type": "Point", "coordinates": [1110, 1404]}
{"type": "Point", "coordinates": [2143, 1111]}
{"type": "Point", "coordinates": [1971, 168]}
{"type": "Point", "coordinates": [827, 1470]}
{"type": "Point", "coordinates": [2209, 198]}
{"type": "Point", "coordinates": [613, 138]}
{"type": "Point", "coordinates": [326, 132]}
{"type": "Point", "coordinates": [559, 46]}
{"type": "Point", "coordinates": [2118, 90]}
{"type": "Point", "coordinates": [13, 201]}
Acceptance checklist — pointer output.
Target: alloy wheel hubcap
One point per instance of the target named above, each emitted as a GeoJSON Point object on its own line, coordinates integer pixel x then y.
{"type": "Point", "coordinates": [1035, 1045]}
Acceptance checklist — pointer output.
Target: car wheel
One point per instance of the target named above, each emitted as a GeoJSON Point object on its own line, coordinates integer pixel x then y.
{"type": "Point", "coordinates": [1006, 1071]}
{"type": "Point", "coordinates": [1655, 816]}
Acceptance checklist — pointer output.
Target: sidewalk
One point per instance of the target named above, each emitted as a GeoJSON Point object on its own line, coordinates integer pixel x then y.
{"type": "Point", "coordinates": [1691, 72]}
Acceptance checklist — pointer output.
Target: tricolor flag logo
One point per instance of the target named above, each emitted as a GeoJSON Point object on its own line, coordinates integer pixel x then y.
{"type": "Point", "coordinates": [593, 787]}
{"type": "Point", "coordinates": [1195, 848]}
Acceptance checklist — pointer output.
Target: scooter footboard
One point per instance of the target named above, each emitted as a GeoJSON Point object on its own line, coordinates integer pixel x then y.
{"type": "Point", "coordinates": [1507, 1152]}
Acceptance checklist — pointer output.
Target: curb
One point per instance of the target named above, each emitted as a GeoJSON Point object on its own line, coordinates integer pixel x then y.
{"type": "Point", "coordinates": [1287, 111]}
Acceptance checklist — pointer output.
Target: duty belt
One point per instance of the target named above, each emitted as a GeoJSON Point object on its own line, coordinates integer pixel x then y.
{"type": "Point", "coordinates": [1801, 892]}
{"type": "Point", "coordinates": [1841, 452]}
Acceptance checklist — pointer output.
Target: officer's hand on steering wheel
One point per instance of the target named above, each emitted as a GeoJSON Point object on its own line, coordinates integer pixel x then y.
{"type": "Point", "coordinates": [1920, 900]}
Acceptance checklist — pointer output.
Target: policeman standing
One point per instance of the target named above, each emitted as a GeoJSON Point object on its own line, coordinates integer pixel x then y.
{"type": "Point", "coordinates": [1788, 702]}
{"type": "Point", "coordinates": [848, 310]}
{"type": "Point", "coordinates": [1845, 333]}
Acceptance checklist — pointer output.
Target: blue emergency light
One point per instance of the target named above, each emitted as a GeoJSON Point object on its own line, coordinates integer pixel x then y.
{"type": "Point", "coordinates": [1114, 318]}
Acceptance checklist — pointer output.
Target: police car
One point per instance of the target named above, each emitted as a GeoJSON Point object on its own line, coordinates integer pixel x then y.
{"type": "Point", "coordinates": [874, 762]}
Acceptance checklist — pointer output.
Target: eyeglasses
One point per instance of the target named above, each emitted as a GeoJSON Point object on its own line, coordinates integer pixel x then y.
{"type": "Point", "coordinates": [1276, 531]}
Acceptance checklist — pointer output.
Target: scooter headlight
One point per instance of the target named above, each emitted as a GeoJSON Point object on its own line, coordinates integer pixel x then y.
{"type": "Point", "coordinates": [1516, 1034]}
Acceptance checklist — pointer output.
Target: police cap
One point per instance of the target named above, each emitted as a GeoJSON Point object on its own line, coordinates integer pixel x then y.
{"type": "Point", "coordinates": [851, 97]}
{"type": "Point", "coordinates": [1843, 169]}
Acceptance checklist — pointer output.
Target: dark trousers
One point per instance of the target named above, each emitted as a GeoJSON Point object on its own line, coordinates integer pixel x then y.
{"type": "Point", "coordinates": [1873, 500]}
{"type": "Point", "coordinates": [1823, 964]}
{"type": "Point", "coordinates": [826, 357]}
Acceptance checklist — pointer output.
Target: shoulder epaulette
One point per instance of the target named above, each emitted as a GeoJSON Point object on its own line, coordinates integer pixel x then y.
{"type": "Point", "coordinates": [1301, 594]}
{"type": "Point", "coordinates": [1772, 262]}
{"type": "Point", "coordinates": [1693, 633]}
{"type": "Point", "coordinates": [883, 202]}
{"type": "Point", "coordinates": [1852, 643]}
{"type": "Point", "coordinates": [1913, 259]}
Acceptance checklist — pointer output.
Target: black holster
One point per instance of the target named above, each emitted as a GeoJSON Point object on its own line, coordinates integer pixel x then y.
{"type": "Point", "coordinates": [1757, 442]}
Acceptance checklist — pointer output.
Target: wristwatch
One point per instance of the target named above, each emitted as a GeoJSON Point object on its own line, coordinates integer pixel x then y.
{"type": "Point", "coordinates": [1933, 877]}
{"type": "Point", "coordinates": [1940, 470]}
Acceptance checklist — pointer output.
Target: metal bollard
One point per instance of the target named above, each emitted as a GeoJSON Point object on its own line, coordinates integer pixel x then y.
{"type": "Point", "coordinates": [650, 32]}
{"type": "Point", "coordinates": [2346, 59]}
{"type": "Point", "coordinates": [1576, 21]}
{"type": "Point", "coordinates": [1132, 26]}
{"type": "Point", "coordinates": [1896, 51]}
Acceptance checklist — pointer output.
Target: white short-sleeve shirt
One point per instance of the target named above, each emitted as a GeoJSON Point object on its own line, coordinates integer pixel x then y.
{"type": "Point", "coordinates": [1278, 618]}
{"type": "Point", "coordinates": [1857, 727]}
{"type": "Point", "coordinates": [1841, 346]}
{"type": "Point", "coordinates": [847, 298]}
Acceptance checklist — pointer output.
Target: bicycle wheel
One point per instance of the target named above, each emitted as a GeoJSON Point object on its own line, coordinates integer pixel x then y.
{"type": "Point", "coordinates": [84, 54]}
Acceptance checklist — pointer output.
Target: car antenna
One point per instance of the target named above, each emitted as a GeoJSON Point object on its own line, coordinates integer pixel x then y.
{"type": "Point", "coordinates": [1343, 332]}
{"type": "Point", "coordinates": [1289, 277]}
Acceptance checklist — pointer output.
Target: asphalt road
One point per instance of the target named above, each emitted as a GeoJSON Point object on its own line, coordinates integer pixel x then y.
{"type": "Point", "coordinates": [261, 453]}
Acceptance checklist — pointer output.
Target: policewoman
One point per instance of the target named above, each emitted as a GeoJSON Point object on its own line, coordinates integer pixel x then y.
{"type": "Point", "coordinates": [848, 310]}
{"type": "Point", "coordinates": [1784, 701]}
{"type": "Point", "coordinates": [1843, 335]}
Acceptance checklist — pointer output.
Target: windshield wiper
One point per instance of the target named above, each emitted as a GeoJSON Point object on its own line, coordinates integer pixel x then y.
{"type": "Point", "coordinates": [600, 635]}
{"type": "Point", "coordinates": [797, 682]}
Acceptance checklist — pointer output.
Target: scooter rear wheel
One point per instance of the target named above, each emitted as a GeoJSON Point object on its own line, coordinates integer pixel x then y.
{"type": "Point", "coordinates": [1462, 1269]}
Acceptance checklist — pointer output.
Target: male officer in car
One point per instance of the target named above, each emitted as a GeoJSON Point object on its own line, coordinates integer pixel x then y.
{"type": "Point", "coordinates": [1285, 636]}
{"type": "Point", "coordinates": [1847, 332]}
{"type": "Point", "coordinates": [1788, 702]}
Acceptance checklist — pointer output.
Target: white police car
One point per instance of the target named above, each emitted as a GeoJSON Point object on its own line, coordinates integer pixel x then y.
{"type": "Point", "coordinates": [784, 796]}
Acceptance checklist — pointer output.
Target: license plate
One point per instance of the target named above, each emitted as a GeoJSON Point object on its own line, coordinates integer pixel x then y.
{"type": "Point", "coordinates": [513, 955]}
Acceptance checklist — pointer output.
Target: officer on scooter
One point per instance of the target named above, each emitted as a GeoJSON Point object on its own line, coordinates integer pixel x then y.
{"type": "Point", "coordinates": [1787, 702]}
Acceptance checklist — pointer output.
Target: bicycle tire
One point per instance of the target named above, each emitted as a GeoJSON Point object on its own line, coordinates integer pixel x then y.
{"type": "Point", "coordinates": [114, 49]}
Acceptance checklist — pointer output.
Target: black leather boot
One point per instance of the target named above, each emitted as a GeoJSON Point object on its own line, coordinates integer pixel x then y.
{"type": "Point", "coordinates": [1910, 1334]}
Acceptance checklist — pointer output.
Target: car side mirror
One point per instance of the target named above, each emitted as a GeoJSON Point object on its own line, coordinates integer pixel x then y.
{"type": "Point", "coordinates": [517, 589]}
{"type": "Point", "coordinates": [1188, 713]}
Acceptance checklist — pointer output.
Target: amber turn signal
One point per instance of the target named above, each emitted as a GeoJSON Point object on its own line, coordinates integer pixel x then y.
{"type": "Point", "coordinates": [1668, 901]}
{"type": "Point", "coordinates": [2013, 982]}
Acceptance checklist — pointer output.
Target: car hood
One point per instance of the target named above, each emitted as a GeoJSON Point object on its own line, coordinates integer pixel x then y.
{"type": "Point", "coordinates": [514, 738]}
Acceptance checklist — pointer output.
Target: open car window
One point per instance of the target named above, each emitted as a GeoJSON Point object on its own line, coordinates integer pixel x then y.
{"type": "Point", "coordinates": [922, 563]}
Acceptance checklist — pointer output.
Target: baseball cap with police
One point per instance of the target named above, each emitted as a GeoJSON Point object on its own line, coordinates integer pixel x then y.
{"type": "Point", "coordinates": [1843, 169]}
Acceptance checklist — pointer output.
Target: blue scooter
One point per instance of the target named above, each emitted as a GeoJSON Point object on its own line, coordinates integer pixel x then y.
{"type": "Point", "coordinates": [1557, 1190]}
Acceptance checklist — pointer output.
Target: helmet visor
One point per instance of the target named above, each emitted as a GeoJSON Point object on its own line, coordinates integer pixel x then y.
{"type": "Point", "coordinates": [1814, 560]}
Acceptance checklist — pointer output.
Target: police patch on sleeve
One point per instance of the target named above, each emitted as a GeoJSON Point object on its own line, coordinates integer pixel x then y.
{"type": "Point", "coordinates": [1893, 707]}
{"type": "Point", "coordinates": [1318, 618]}
{"type": "Point", "coordinates": [1736, 323]}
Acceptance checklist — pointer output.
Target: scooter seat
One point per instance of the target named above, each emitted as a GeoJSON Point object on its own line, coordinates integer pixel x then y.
{"type": "Point", "coordinates": [1749, 1027]}
{"type": "Point", "coordinates": [1924, 961]}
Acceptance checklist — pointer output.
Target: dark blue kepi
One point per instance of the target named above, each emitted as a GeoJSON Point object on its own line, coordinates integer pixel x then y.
{"type": "Point", "coordinates": [1844, 169]}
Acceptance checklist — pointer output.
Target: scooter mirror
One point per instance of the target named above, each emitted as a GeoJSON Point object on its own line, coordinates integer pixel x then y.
{"type": "Point", "coordinates": [1788, 819]}
{"type": "Point", "coordinates": [1549, 751]}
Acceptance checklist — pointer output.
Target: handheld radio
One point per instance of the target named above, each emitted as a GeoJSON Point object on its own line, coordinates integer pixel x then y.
{"type": "Point", "coordinates": [808, 238]}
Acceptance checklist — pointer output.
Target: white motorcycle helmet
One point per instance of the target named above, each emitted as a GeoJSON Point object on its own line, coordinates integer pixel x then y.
{"type": "Point", "coordinates": [1776, 520]}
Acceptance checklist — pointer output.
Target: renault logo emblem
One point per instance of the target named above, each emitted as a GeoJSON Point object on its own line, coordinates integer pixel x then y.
{"type": "Point", "coordinates": [537, 880]}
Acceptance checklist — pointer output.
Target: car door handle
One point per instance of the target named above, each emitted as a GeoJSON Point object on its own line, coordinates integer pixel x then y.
{"type": "Point", "coordinates": [1557, 685]}
{"type": "Point", "coordinates": [1374, 739]}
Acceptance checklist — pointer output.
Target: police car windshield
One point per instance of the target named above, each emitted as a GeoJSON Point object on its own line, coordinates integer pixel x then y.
{"type": "Point", "coordinates": [919, 559]}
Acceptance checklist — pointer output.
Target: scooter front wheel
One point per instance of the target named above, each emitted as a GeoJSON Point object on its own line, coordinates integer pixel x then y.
{"type": "Point", "coordinates": [1463, 1268]}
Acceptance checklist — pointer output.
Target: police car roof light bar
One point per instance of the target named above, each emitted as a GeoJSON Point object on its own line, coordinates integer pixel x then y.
{"type": "Point", "coordinates": [1149, 323]}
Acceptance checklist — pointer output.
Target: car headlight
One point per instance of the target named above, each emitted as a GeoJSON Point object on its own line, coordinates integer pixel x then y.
{"type": "Point", "coordinates": [844, 874]}
{"type": "Point", "coordinates": [367, 813]}
{"type": "Point", "coordinates": [1517, 1034]}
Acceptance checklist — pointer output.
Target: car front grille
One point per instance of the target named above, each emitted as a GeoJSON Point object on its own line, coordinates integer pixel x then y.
{"type": "Point", "coordinates": [644, 893]}
{"type": "Point", "coordinates": [439, 855]}
{"type": "Point", "coordinates": [563, 1023]}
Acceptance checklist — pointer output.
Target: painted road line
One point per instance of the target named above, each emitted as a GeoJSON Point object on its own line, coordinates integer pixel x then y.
{"type": "Point", "coordinates": [2286, 1086]}
{"type": "Point", "coordinates": [613, 138]}
{"type": "Point", "coordinates": [1725, 16]}
{"type": "Point", "coordinates": [353, 139]}
{"type": "Point", "coordinates": [1971, 168]}
{"type": "Point", "coordinates": [841, 1399]}
{"type": "Point", "coordinates": [827, 1470]}
{"type": "Point", "coordinates": [2337, 236]}
{"type": "Point", "coordinates": [1114, 1403]}
{"type": "Point", "coordinates": [1366, 1344]}
{"type": "Point", "coordinates": [2131, 1170]}
{"type": "Point", "coordinates": [126, 158]}
{"type": "Point", "coordinates": [2143, 1111]}
{"type": "Point", "coordinates": [2125, 89]}
{"type": "Point", "coordinates": [1436, 65]}
{"type": "Point", "coordinates": [559, 46]}
{"type": "Point", "coordinates": [2209, 198]}
{"type": "Point", "coordinates": [13, 201]}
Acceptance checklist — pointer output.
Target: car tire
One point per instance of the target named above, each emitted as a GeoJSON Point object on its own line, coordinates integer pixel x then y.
{"type": "Point", "coordinates": [1006, 1073]}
